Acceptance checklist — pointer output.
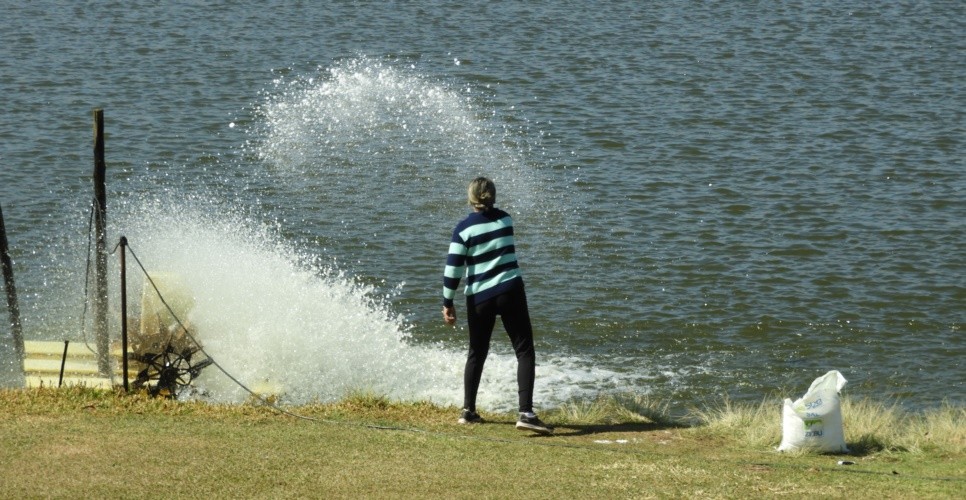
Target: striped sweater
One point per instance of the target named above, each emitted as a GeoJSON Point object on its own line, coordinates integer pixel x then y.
{"type": "Point", "coordinates": [482, 249]}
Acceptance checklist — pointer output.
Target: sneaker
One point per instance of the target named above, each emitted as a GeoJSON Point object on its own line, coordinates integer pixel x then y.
{"type": "Point", "coordinates": [470, 417]}
{"type": "Point", "coordinates": [533, 423]}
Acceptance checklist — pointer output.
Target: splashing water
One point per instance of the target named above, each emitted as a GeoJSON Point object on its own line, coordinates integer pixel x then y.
{"type": "Point", "coordinates": [343, 146]}
{"type": "Point", "coordinates": [269, 314]}
{"type": "Point", "coordinates": [368, 128]}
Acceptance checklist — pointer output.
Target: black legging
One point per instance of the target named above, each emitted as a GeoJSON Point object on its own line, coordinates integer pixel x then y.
{"type": "Point", "coordinates": [511, 306]}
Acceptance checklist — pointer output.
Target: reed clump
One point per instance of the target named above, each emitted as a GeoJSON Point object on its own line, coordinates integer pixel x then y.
{"type": "Point", "coordinates": [615, 409]}
{"type": "Point", "coordinates": [870, 426]}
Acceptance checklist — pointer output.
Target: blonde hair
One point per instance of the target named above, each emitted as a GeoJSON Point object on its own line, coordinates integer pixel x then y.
{"type": "Point", "coordinates": [481, 193]}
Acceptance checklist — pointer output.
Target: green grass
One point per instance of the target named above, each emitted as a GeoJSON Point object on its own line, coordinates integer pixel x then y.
{"type": "Point", "coordinates": [77, 442]}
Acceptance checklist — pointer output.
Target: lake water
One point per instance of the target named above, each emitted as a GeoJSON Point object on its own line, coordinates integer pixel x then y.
{"type": "Point", "coordinates": [712, 198]}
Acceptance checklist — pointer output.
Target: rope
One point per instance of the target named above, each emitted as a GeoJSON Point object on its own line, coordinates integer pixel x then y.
{"type": "Point", "coordinates": [87, 276]}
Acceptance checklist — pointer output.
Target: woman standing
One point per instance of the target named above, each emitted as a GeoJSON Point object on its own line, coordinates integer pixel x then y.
{"type": "Point", "coordinates": [482, 250]}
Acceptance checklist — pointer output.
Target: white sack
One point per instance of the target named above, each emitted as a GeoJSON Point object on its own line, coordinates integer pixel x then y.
{"type": "Point", "coordinates": [814, 422]}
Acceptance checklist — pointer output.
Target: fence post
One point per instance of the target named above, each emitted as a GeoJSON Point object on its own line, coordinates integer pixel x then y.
{"type": "Point", "coordinates": [123, 245]}
{"type": "Point", "coordinates": [11, 288]}
{"type": "Point", "coordinates": [100, 262]}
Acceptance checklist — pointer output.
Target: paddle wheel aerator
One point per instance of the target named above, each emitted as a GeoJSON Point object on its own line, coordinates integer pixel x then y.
{"type": "Point", "coordinates": [170, 371]}
{"type": "Point", "coordinates": [166, 349]}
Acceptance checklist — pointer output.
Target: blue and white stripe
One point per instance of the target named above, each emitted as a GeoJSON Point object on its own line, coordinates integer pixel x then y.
{"type": "Point", "coordinates": [482, 250]}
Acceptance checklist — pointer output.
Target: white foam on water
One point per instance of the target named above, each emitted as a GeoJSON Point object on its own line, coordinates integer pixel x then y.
{"type": "Point", "coordinates": [268, 313]}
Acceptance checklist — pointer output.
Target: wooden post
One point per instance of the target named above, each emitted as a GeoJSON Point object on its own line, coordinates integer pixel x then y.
{"type": "Point", "coordinates": [63, 363]}
{"type": "Point", "coordinates": [99, 302]}
{"type": "Point", "coordinates": [11, 288]}
{"type": "Point", "coordinates": [123, 244]}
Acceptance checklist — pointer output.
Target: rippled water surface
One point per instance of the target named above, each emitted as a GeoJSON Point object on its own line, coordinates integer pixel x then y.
{"type": "Point", "coordinates": [711, 198]}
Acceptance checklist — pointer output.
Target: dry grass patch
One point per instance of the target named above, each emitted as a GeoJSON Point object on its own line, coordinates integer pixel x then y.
{"type": "Point", "coordinates": [106, 444]}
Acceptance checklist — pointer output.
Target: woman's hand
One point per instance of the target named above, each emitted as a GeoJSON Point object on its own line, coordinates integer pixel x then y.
{"type": "Point", "coordinates": [449, 315]}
